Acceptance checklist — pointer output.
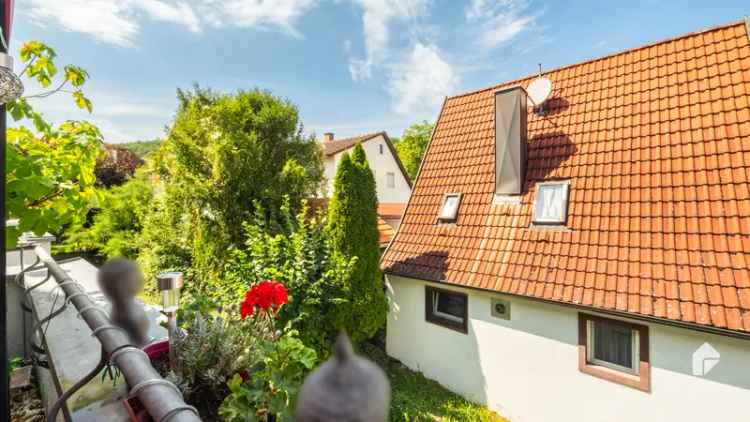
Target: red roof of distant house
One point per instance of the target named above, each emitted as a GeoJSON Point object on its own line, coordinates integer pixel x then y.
{"type": "Point", "coordinates": [338, 145]}
{"type": "Point", "coordinates": [385, 232]}
{"type": "Point", "coordinates": [390, 210]}
{"type": "Point", "coordinates": [656, 144]}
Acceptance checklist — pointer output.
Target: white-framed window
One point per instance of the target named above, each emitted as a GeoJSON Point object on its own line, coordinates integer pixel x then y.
{"type": "Point", "coordinates": [551, 205]}
{"type": "Point", "coordinates": [449, 209]}
{"type": "Point", "coordinates": [390, 179]}
{"type": "Point", "coordinates": [447, 308]}
{"type": "Point", "coordinates": [613, 345]}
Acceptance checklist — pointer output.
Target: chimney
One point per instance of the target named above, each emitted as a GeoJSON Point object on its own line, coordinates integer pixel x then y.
{"type": "Point", "coordinates": [510, 141]}
{"type": "Point", "coordinates": [328, 136]}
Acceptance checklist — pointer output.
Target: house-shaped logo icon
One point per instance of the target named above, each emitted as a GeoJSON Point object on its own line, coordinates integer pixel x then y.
{"type": "Point", "coordinates": [704, 359]}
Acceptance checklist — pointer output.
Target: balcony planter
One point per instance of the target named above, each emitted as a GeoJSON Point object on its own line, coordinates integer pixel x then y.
{"type": "Point", "coordinates": [157, 352]}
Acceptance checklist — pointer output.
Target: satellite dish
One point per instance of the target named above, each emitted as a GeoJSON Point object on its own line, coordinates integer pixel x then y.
{"type": "Point", "coordinates": [539, 90]}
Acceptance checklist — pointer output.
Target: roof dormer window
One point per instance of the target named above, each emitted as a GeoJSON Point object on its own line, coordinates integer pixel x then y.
{"type": "Point", "coordinates": [551, 206]}
{"type": "Point", "coordinates": [449, 210]}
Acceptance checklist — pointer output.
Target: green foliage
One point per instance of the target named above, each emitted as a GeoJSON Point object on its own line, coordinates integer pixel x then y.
{"type": "Point", "coordinates": [412, 145]}
{"type": "Point", "coordinates": [294, 252]}
{"type": "Point", "coordinates": [415, 398]}
{"type": "Point", "coordinates": [13, 364]}
{"type": "Point", "coordinates": [273, 382]}
{"type": "Point", "coordinates": [115, 229]}
{"type": "Point", "coordinates": [215, 349]}
{"type": "Point", "coordinates": [142, 148]}
{"type": "Point", "coordinates": [353, 231]}
{"type": "Point", "coordinates": [224, 154]}
{"type": "Point", "coordinates": [50, 169]}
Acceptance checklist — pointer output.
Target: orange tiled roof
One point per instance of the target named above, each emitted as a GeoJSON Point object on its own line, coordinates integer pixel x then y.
{"type": "Point", "coordinates": [338, 145]}
{"type": "Point", "coordinates": [385, 231]}
{"type": "Point", "coordinates": [391, 209]}
{"type": "Point", "coordinates": [656, 144]}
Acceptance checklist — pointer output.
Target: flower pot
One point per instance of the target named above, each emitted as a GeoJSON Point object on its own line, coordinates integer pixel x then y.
{"type": "Point", "coordinates": [156, 351]}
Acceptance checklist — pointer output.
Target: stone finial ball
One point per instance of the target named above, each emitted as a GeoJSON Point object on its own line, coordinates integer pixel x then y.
{"type": "Point", "coordinates": [120, 279]}
{"type": "Point", "coordinates": [346, 388]}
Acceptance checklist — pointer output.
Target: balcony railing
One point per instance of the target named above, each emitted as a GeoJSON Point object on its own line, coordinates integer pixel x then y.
{"type": "Point", "coordinates": [161, 398]}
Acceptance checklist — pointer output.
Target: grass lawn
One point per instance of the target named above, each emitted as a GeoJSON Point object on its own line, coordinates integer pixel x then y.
{"type": "Point", "coordinates": [415, 398]}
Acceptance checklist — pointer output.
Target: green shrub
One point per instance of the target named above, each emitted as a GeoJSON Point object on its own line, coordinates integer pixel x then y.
{"type": "Point", "coordinates": [278, 360]}
{"type": "Point", "coordinates": [224, 154]}
{"type": "Point", "coordinates": [296, 253]}
{"type": "Point", "coordinates": [353, 232]}
{"type": "Point", "coordinates": [272, 383]}
{"type": "Point", "coordinates": [115, 229]}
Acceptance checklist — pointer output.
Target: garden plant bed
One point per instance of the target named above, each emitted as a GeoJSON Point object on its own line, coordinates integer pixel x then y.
{"type": "Point", "coordinates": [207, 402]}
{"type": "Point", "coordinates": [416, 398]}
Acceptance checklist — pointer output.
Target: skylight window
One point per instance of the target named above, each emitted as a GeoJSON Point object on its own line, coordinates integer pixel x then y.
{"type": "Point", "coordinates": [449, 210]}
{"type": "Point", "coordinates": [551, 205]}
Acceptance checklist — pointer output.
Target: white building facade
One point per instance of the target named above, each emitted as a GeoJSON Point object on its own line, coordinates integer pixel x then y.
{"type": "Point", "coordinates": [392, 182]}
{"type": "Point", "coordinates": [526, 367]}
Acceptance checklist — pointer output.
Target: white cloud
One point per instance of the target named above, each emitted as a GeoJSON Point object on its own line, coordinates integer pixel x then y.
{"type": "Point", "coordinates": [179, 13]}
{"type": "Point", "coordinates": [419, 84]}
{"type": "Point", "coordinates": [499, 20]}
{"type": "Point", "coordinates": [377, 17]}
{"type": "Point", "coordinates": [106, 20]}
{"type": "Point", "coordinates": [264, 14]}
{"type": "Point", "coordinates": [118, 22]}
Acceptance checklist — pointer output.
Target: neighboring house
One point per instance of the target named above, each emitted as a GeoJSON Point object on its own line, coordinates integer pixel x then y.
{"type": "Point", "coordinates": [589, 262]}
{"type": "Point", "coordinates": [392, 182]}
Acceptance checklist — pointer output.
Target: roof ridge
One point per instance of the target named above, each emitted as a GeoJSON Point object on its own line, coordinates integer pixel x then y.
{"type": "Point", "coordinates": [743, 21]}
{"type": "Point", "coordinates": [364, 135]}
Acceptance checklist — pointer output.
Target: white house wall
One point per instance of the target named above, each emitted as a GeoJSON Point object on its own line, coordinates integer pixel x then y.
{"type": "Point", "coordinates": [527, 368]}
{"type": "Point", "coordinates": [381, 165]}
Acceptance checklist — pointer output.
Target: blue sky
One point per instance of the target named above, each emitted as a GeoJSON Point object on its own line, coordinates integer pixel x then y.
{"type": "Point", "coordinates": [352, 66]}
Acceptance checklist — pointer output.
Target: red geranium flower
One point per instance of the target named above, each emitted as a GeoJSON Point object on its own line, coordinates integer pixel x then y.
{"type": "Point", "coordinates": [247, 307]}
{"type": "Point", "coordinates": [279, 295]}
{"type": "Point", "coordinates": [266, 295]}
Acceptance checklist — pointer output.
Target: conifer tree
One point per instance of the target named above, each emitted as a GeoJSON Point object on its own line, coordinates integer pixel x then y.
{"type": "Point", "coordinates": [353, 232]}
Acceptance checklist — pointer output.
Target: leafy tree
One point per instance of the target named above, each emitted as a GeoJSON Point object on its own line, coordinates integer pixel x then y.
{"type": "Point", "coordinates": [115, 229]}
{"type": "Point", "coordinates": [224, 154]}
{"type": "Point", "coordinates": [116, 166]}
{"type": "Point", "coordinates": [353, 231]}
{"type": "Point", "coordinates": [50, 169]}
{"type": "Point", "coordinates": [412, 145]}
{"type": "Point", "coordinates": [142, 148]}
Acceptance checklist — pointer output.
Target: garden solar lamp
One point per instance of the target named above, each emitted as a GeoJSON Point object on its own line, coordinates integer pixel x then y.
{"type": "Point", "coordinates": [169, 285]}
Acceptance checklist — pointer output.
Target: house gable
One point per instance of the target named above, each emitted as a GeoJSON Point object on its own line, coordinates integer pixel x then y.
{"type": "Point", "coordinates": [655, 142]}
{"type": "Point", "coordinates": [383, 160]}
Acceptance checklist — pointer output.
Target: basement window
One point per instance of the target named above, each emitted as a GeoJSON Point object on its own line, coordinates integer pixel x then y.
{"type": "Point", "coordinates": [551, 206]}
{"type": "Point", "coordinates": [614, 350]}
{"type": "Point", "coordinates": [447, 308]}
{"type": "Point", "coordinates": [449, 210]}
